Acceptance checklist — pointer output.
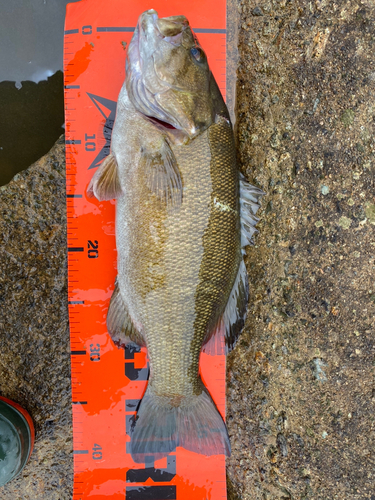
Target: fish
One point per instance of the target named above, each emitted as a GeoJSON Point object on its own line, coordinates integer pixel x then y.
{"type": "Point", "coordinates": [184, 214]}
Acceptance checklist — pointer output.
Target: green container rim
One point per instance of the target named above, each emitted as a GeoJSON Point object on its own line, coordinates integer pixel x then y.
{"type": "Point", "coordinates": [21, 421]}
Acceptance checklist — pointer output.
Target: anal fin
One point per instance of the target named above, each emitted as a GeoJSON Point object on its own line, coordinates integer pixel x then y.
{"type": "Point", "coordinates": [232, 321]}
{"type": "Point", "coordinates": [119, 323]}
{"type": "Point", "coordinates": [105, 183]}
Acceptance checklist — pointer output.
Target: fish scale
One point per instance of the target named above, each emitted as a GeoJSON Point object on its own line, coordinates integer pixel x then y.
{"type": "Point", "coordinates": [174, 311]}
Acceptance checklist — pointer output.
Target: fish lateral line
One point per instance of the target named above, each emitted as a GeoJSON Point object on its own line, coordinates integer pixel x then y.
{"type": "Point", "coordinates": [223, 207]}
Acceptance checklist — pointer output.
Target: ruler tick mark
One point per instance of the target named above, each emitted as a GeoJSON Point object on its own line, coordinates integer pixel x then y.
{"type": "Point", "coordinates": [115, 29]}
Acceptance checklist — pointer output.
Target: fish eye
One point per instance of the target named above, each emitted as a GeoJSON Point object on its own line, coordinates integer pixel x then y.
{"type": "Point", "coordinates": [198, 54]}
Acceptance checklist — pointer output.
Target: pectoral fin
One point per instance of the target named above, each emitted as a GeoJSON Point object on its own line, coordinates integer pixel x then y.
{"type": "Point", "coordinates": [105, 183]}
{"type": "Point", "coordinates": [163, 177]}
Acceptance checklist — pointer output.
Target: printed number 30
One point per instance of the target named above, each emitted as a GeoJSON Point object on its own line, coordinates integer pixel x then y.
{"type": "Point", "coordinates": [94, 352]}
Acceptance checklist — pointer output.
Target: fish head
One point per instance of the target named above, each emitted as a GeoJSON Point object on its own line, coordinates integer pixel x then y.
{"type": "Point", "coordinates": [167, 74]}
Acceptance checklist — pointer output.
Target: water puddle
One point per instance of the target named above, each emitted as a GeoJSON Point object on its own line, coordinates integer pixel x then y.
{"type": "Point", "coordinates": [31, 81]}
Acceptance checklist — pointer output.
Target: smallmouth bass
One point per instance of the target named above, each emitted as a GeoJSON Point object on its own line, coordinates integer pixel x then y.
{"type": "Point", "coordinates": [183, 217]}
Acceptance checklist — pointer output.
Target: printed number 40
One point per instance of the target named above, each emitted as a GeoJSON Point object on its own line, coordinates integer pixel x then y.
{"type": "Point", "coordinates": [97, 452]}
{"type": "Point", "coordinates": [93, 252]}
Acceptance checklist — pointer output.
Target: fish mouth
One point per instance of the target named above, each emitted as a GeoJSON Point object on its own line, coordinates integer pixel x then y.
{"type": "Point", "coordinates": [170, 29]}
{"type": "Point", "coordinates": [147, 86]}
{"type": "Point", "coordinates": [142, 98]}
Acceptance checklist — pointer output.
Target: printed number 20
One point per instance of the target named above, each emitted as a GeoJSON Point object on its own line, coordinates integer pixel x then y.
{"type": "Point", "coordinates": [93, 252]}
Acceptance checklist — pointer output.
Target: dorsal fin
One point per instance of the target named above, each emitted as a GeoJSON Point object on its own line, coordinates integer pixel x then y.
{"type": "Point", "coordinates": [249, 204]}
{"type": "Point", "coordinates": [233, 319]}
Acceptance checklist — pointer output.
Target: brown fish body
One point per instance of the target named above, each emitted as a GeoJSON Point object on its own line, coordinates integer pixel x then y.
{"type": "Point", "coordinates": [179, 221]}
{"type": "Point", "coordinates": [176, 268]}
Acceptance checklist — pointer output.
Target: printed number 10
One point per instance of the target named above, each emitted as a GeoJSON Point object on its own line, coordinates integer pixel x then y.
{"type": "Point", "coordinates": [90, 142]}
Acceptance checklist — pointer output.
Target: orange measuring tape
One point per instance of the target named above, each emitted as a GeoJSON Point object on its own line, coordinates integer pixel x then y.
{"type": "Point", "coordinates": [108, 382]}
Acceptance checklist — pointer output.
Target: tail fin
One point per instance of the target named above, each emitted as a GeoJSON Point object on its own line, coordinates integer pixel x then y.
{"type": "Point", "coordinates": [162, 424]}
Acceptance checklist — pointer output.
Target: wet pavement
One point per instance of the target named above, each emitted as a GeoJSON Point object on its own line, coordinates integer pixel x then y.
{"type": "Point", "coordinates": [31, 81]}
{"type": "Point", "coordinates": [31, 121]}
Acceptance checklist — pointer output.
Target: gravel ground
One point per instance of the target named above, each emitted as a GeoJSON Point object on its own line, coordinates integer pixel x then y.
{"type": "Point", "coordinates": [300, 382]}
{"type": "Point", "coordinates": [34, 329]}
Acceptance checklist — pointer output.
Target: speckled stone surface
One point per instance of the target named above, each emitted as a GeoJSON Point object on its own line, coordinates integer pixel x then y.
{"type": "Point", "coordinates": [301, 379]}
{"type": "Point", "coordinates": [300, 382]}
{"type": "Point", "coordinates": [34, 332]}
